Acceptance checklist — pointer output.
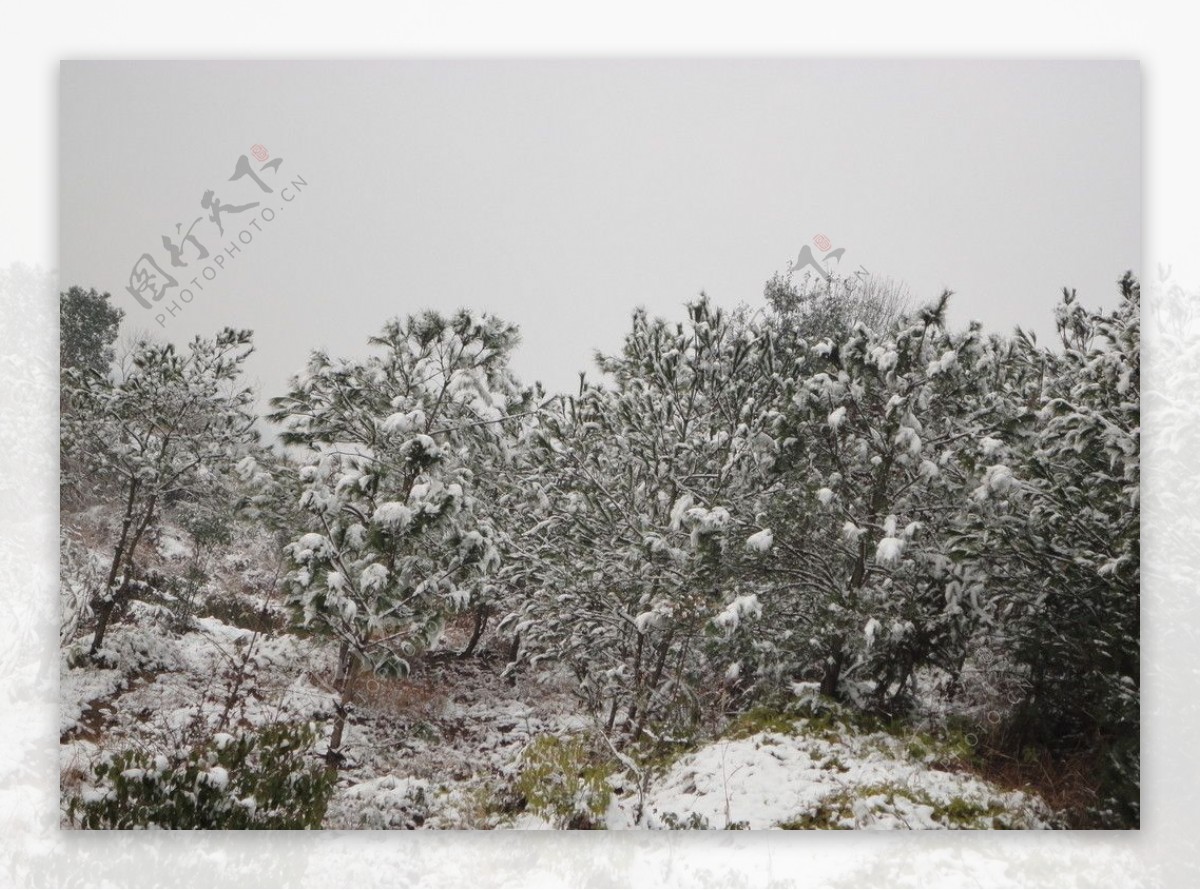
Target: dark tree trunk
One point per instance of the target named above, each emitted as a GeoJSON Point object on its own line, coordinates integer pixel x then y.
{"type": "Point", "coordinates": [612, 715]}
{"type": "Point", "coordinates": [481, 618]}
{"type": "Point", "coordinates": [341, 683]}
{"type": "Point", "coordinates": [121, 565]}
{"type": "Point", "coordinates": [833, 674]}
{"type": "Point", "coordinates": [655, 679]}
{"type": "Point", "coordinates": [103, 612]}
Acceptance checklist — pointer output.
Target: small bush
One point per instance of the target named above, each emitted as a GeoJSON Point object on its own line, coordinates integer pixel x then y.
{"type": "Point", "coordinates": [563, 781]}
{"type": "Point", "coordinates": [693, 822]}
{"type": "Point", "coordinates": [253, 780]}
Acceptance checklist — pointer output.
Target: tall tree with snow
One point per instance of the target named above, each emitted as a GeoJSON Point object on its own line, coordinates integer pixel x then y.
{"type": "Point", "coordinates": [166, 421]}
{"type": "Point", "coordinates": [393, 538]}
{"type": "Point", "coordinates": [88, 324]}
{"type": "Point", "coordinates": [1061, 536]}
{"type": "Point", "coordinates": [879, 448]}
{"type": "Point", "coordinates": [642, 474]}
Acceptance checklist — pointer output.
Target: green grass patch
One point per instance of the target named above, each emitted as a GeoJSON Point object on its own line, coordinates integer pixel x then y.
{"type": "Point", "coordinates": [758, 720]}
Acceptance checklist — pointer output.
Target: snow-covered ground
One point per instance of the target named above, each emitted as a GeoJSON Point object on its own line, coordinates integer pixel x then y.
{"type": "Point", "coordinates": [445, 748]}
{"type": "Point", "coordinates": [820, 778]}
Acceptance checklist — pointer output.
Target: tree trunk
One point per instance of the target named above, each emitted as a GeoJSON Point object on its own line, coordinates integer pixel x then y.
{"type": "Point", "coordinates": [833, 674]}
{"type": "Point", "coordinates": [341, 683]}
{"type": "Point", "coordinates": [103, 605]}
{"type": "Point", "coordinates": [655, 679]}
{"type": "Point", "coordinates": [481, 617]}
{"type": "Point", "coordinates": [103, 612]}
{"type": "Point", "coordinates": [513, 651]}
{"type": "Point", "coordinates": [905, 673]}
{"type": "Point", "coordinates": [126, 572]}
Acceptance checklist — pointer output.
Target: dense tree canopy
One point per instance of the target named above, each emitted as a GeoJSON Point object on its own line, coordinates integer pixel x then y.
{"type": "Point", "coordinates": [834, 491]}
{"type": "Point", "coordinates": [88, 325]}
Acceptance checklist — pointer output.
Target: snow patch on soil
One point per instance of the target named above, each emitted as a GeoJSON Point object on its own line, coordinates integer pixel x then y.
{"type": "Point", "coordinates": [820, 780]}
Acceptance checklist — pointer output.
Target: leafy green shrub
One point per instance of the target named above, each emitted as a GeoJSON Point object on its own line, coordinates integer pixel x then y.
{"type": "Point", "coordinates": [209, 521]}
{"type": "Point", "coordinates": [181, 593]}
{"type": "Point", "coordinates": [563, 781]}
{"type": "Point", "coordinates": [253, 780]}
{"type": "Point", "coordinates": [696, 822]}
{"type": "Point", "coordinates": [693, 822]}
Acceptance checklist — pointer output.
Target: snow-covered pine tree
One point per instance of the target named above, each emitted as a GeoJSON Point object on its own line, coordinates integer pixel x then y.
{"type": "Point", "coordinates": [1062, 532]}
{"type": "Point", "coordinates": [873, 464]}
{"type": "Point", "coordinates": [393, 538]}
{"type": "Point", "coordinates": [641, 476]}
{"type": "Point", "coordinates": [161, 423]}
{"type": "Point", "coordinates": [88, 325]}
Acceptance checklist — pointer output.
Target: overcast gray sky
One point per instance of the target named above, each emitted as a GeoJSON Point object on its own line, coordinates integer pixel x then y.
{"type": "Point", "coordinates": [561, 194]}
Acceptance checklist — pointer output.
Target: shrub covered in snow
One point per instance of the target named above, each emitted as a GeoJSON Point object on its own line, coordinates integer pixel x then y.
{"type": "Point", "coordinates": [824, 496]}
{"type": "Point", "coordinates": [388, 802]}
{"type": "Point", "coordinates": [390, 539]}
{"type": "Point", "coordinates": [1062, 531]}
{"type": "Point", "coordinates": [630, 519]}
{"type": "Point", "coordinates": [262, 779]}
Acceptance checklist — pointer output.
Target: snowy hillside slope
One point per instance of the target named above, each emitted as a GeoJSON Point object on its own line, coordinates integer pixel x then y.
{"type": "Point", "coordinates": [448, 746]}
